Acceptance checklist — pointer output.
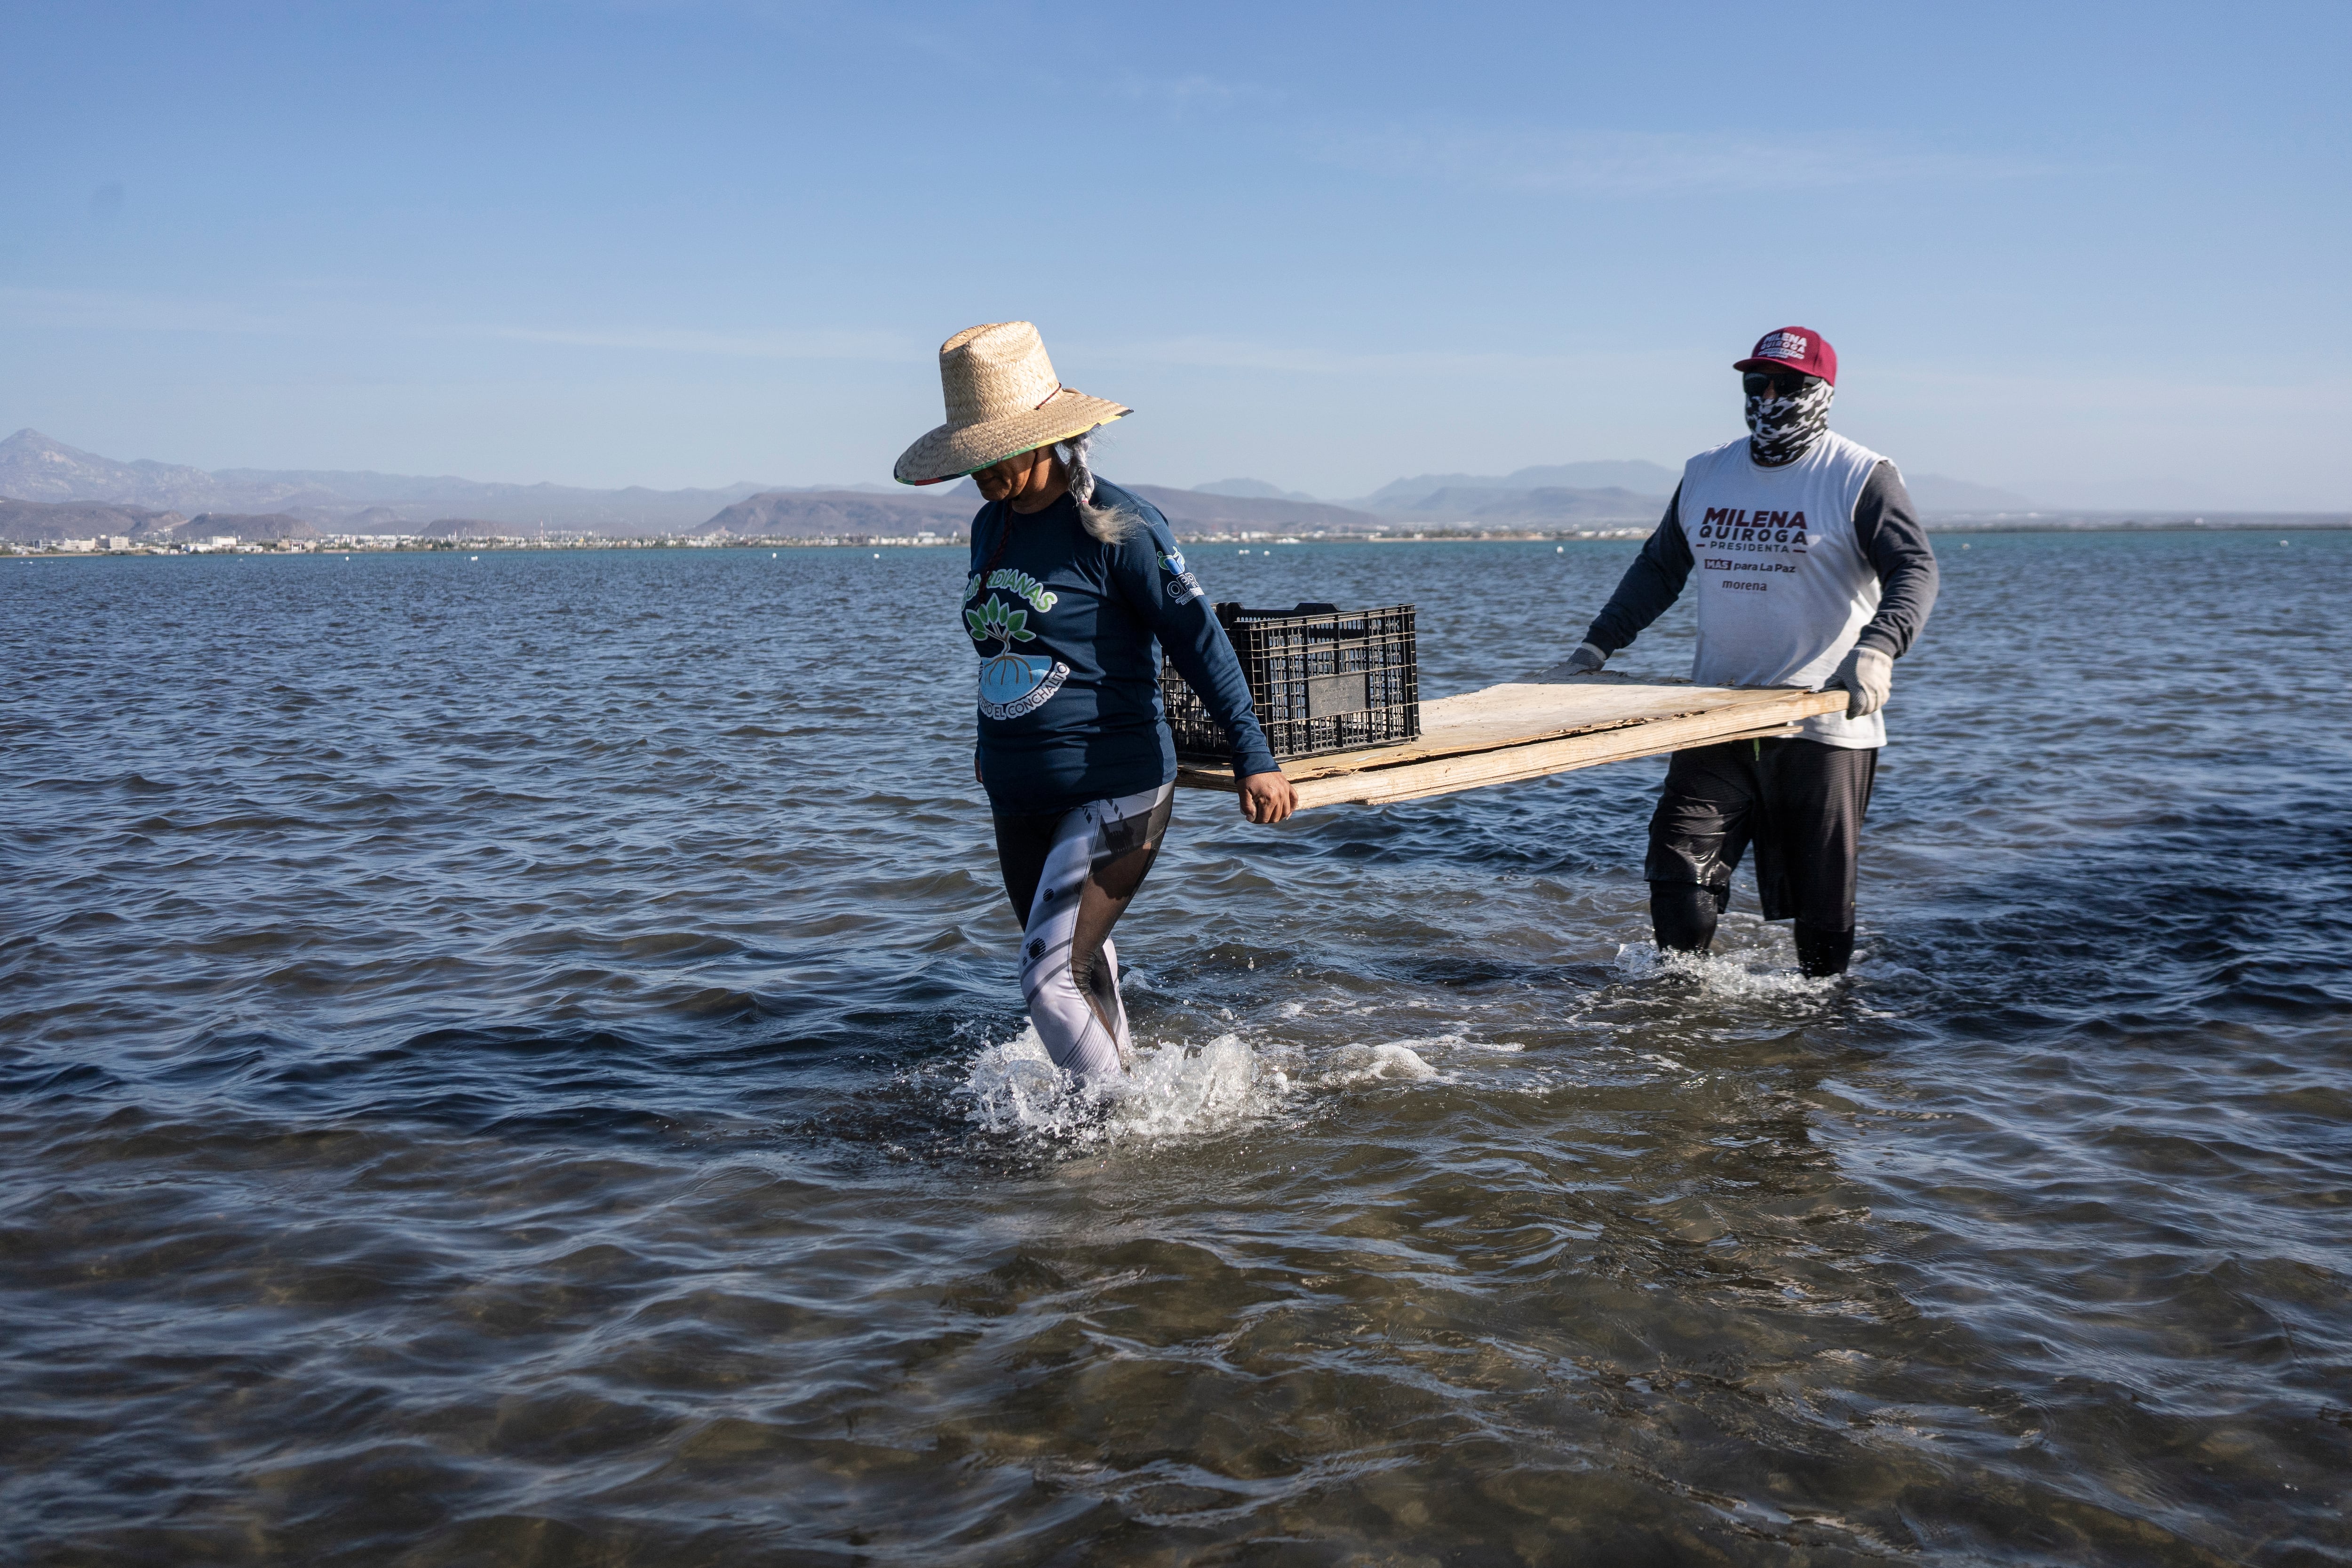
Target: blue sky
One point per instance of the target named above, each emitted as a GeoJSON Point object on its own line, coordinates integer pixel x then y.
{"type": "Point", "coordinates": [2097, 254]}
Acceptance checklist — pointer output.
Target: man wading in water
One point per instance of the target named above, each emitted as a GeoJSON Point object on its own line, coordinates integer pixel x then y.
{"type": "Point", "coordinates": [1813, 572]}
{"type": "Point", "coordinates": [1075, 588]}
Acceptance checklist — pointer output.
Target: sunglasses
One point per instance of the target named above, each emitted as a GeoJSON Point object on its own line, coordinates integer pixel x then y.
{"type": "Point", "coordinates": [1781, 383]}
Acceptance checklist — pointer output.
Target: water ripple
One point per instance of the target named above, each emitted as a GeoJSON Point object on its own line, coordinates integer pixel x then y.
{"type": "Point", "coordinates": [513, 1061]}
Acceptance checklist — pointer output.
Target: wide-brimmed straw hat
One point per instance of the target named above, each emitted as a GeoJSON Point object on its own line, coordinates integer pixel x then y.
{"type": "Point", "coordinates": [1004, 399]}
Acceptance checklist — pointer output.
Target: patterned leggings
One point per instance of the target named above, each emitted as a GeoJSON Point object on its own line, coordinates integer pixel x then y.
{"type": "Point", "coordinates": [1070, 875]}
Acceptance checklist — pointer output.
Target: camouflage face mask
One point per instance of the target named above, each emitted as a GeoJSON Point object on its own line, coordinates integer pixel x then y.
{"type": "Point", "coordinates": [1782, 429]}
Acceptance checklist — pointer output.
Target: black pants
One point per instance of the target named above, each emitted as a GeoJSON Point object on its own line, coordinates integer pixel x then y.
{"type": "Point", "coordinates": [1800, 804]}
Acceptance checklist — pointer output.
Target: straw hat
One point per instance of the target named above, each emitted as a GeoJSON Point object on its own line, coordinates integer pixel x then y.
{"type": "Point", "coordinates": [1003, 399]}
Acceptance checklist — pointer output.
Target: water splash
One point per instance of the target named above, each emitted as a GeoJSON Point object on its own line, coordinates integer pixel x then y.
{"type": "Point", "coordinates": [1394, 1060]}
{"type": "Point", "coordinates": [1740, 972]}
{"type": "Point", "coordinates": [1173, 1092]}
{"type": "Point", "coordinates": [1015, 1087]}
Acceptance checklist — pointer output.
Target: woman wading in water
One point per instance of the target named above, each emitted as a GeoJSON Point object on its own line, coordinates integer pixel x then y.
{"type": "Point", "coordinates": [1076, 586]}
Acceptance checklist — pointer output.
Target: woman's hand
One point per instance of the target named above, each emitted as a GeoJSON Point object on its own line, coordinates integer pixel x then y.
{"type": "Point", "coordinates": [1267, 797]}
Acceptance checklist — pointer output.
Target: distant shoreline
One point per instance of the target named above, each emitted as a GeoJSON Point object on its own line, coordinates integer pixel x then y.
{"type": "Point", "coordinates": [2241, 523]}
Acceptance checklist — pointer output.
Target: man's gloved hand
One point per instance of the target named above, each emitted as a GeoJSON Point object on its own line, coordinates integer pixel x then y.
{"type": "Point", "coordinates": [1583, 661]}
{"type": "Point", "coordinates": [1867, 674]}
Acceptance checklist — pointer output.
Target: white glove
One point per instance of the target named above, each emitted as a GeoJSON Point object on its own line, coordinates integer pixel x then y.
{"type": "Point", "coordinates": [1867, 674]}
{"type": "Point", "coordinates": [1587, 659]}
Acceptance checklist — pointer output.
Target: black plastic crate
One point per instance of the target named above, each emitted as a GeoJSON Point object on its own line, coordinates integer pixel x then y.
{"type": "Point", "coordinates": [1325, 680]}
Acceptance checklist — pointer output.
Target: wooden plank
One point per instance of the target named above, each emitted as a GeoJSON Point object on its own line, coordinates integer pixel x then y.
{"type": "Point", "coordinates": [1526, 730]}
{"type": "Point", "coordinates": [1509, 764]}
{"type": "Point", "coordinates": [1516, 713]}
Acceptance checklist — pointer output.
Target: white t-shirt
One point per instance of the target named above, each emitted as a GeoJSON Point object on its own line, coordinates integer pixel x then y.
{"type": "Point", "coordinates": [1783, 586]}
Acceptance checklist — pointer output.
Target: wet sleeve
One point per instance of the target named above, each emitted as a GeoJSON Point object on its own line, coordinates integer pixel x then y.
{"type": "Point", "coordinates": [1168, 599]}
{"type": "Point", "coordinates": [1653, 582]}
{"type": "Point", "coordinates": [1895, 543]}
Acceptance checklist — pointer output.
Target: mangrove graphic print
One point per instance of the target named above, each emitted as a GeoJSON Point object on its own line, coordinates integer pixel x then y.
{"type": "Point", "coordinates": [1011, 684]}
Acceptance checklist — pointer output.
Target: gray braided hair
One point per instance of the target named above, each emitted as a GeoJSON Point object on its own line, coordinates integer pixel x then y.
{"type": "Point", "coordinates": [1110, 525]}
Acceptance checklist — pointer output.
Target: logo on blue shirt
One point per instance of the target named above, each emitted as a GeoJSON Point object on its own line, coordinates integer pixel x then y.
{"type": "Point", "coordinates": [1011, 684]}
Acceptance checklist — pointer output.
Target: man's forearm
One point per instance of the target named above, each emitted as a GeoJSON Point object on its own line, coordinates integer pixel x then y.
{"type": "Point", "coordinates": [1894, 543]}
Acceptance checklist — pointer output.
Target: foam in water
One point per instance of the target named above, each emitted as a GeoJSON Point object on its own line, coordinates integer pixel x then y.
{"type": "Point", "coordinates": [1744, 971]}
{"type": "Point", "coordinates": [1173, 1092]}
{"type": "Point", "coordinates": [1396, 1059]}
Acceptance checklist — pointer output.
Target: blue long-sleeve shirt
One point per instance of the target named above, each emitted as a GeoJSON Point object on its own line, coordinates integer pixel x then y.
{"type": "Point", "coordinates": [1068, 630]}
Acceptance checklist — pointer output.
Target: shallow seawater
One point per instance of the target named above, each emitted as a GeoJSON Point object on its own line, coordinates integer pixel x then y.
{"type": "Point", "coordinates": [517, 1062]}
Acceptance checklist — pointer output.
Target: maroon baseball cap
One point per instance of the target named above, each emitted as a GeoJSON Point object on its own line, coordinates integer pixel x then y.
{"type": "Point", "coordinates": [1793, 348]}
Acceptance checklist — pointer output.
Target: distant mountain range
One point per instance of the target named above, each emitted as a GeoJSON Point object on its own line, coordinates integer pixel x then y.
{"type": "Point", "coordinates": [1578, 493]}
{"type": "Point", "coordinates": [1544, 506]}
{"type": "Point", "coordinates": [1563, 495]}
{"type": "Point", "coordinates": [782, 514]}
{"type": "Point", "coordinates": [1252, 489]}
{"type": "Point", "coordinates": [79, 494]}
{"type": "Point", "coordinates": [1200, 510]}
{"type": "Point", "coordinates": [817, 514]}
{"type": "Point", "coordinates": [1407, 496]}
{"type": "Point", "coordinates": [35, 468]}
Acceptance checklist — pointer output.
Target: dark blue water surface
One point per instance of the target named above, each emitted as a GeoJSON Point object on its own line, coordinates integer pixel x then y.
{"type": "Point", "coordinates": [516, 1060]}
